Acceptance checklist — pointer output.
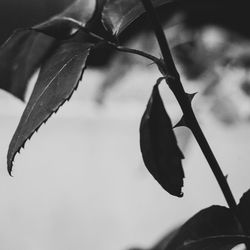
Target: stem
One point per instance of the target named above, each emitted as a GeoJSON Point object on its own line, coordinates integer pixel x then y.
{"type": "Point", "coordinates": [120, 48]}
{"type": "Point", "coordinates": [156, 60]}
{"type": "Point", "coordinates": [176, 86]}
{"type": "Point", "coordinates": [194, 126]}
{"type": "Point", "coordinates": [161, 38]}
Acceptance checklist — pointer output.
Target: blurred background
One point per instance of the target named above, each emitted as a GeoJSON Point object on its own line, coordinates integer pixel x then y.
{"type": "Point", "coordinates": [81, 183]}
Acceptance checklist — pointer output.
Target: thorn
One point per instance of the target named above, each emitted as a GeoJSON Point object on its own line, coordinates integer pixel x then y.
{"type": "Point", "coordinates": [191, 96]}
{"type": "Point", "coordinates": [226, 177]}
{"type": "Point", "coordinates": [181, 123]}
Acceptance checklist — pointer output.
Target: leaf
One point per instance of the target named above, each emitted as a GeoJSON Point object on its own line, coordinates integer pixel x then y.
{"type": "Point", "coordinates": [162, 243]}
{"type": "Point", "coordinates": [16, 14]}
{"type": "Point", "coordinates": [20, 56]}
{"type": "Point", "coordinates": [57, 80]}
{"type": "Point", "coordinates": [165, 240]}
{"type": "Point", "coordinates": [119, 14]}
{"type": "Point", "coordinates": [159, 148]}
{"type": "Point", "coordinates": [69, 21]}
{"type": "Point", "coordinates": [221, 242]}
{"type": "Point", "coordinates": [210, 222]}
{"type": "Point", "coordinates": [244, 208]}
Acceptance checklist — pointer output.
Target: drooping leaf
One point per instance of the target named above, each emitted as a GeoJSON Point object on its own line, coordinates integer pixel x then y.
{"type": "Point", "coordinates": [20, 56]}
{"type": "Point", "coordinates": [160, 245]}
{"type": "Point", "coordinates": [244, 208]}
{"type": "Point", "coordinates": [213, 228]}
{"type": "Point", "coordinates": [58, 78]}
{"type": "Point", "coordinates": [119, 14]}
{"type": "Point", "coordinates": [221, 242]}
{"type": "Point", "coordinates": [159, 148]}
{"type": "Point", "coordinates": [210, 222]}
{"type": "Point", "coordinates": [69, 21]}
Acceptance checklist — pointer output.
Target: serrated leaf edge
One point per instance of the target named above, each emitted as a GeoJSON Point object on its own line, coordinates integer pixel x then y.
{"type": "Point", "coordinates": [10, 163]}
{"type": "Point", "coordinates": [142, 124]}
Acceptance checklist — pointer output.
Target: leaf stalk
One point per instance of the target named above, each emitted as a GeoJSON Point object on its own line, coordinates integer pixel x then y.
{"type": "Point", "coordinates": [160, 64]}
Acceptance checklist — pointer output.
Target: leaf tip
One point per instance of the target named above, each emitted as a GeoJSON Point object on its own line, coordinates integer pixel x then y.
{"type": "Point", "coordinates": [10, 167]}
{"type": "Point", "coordinates": [176, 189]}
{"type": "Point", "coordinates": [181, 194]}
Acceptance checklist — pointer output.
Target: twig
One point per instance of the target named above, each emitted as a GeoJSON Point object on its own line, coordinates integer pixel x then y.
{"type": "Point", "coordinates": [176, 86]}
{"type": "Point", "coordinates": [120, 48]}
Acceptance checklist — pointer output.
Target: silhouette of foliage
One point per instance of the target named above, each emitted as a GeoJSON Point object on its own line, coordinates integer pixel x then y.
{"type": "Point", "coordinates": [69, 21]}
{"type": "Point", "coordinates": [119, 14]}
{"type": "Point", "coordinates": [58, 78]}
{"type": "Point", "coordinates": [61, 46]}
{"type": "Point", "coordinates": [160, 151]}
{"type": "Point", "coordinates": [20, 56]}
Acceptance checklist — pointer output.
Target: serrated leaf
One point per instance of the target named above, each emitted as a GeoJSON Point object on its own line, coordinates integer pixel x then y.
{"type": "Point", "coordinates": [244, 208]}
{"type": "Point", "coordinates": [69, 21]}
{"type": "Point", "coordinates": [210, 222]}
{"type": "Point", "coordinates": [20, 56]}
{"type": "Point", "coordinates": [159, 148]}
{"type": "Point", "coordinates": [119, 14]}
{"type": "Point", "coordinates": [221, 242]}
{"type": "Point", "coordinates": [58, 78]}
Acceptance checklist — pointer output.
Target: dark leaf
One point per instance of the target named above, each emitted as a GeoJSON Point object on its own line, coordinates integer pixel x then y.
{"type": "Point", "coordinates": [244, 208]}
{"type": "Point", "coordinates": [58, 78]}
{"type": "Point", "coordinates": [159, 148]}
{"type": "Point", "coordinates": [221, 242]}
{"type": "Point", "coordinates": [69, 21]}
{"type": "Point", "coordinates": [20, 56]}
{"type": "Point", "coordinates": [210, 222]}
{"type": "Point", "coordinates": [119, 14]}
{"type": "Point", "coordinates": [165, 240]}
{"type": "Point", "coordinates": [162, 243]}
{"type": "Point", "coordinates": [16, 14]}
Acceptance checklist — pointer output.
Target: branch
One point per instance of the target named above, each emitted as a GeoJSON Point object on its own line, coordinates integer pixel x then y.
{"type": "Point", "coordinates": [120, 48]}
{"type": "Point", "coordinates": [176, 86]}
